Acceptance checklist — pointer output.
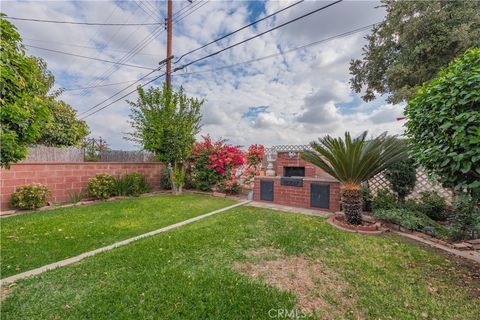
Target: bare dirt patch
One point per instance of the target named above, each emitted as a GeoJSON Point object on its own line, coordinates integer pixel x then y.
{"type": "Point", "coordinates": [318, 288]}
{"type": "Point", "coordinates": [4, 292]}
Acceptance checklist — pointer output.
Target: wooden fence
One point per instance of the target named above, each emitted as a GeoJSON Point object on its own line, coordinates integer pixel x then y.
{"type": "Point", "coordinates": [54, 155]}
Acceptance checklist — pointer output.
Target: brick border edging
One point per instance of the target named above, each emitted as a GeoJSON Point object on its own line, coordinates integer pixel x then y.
{"type": "Point", "coordinates": [464, 254]}
{"type": "Point", "coordinates": [122, 243]}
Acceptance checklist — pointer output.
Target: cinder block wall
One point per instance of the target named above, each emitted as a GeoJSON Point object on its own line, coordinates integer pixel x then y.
{"type": "Point", "coordinates": [66, 178]}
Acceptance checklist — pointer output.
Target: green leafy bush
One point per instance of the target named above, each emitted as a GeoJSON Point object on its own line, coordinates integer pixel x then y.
{"type": "Point", "coordinates": [402, 176]}
{"type": "Point", "coordinates": [165, 181]}
{"type": "Point", "coordinates": [131, 184]}
{"type": "Point", "coordinates": [102, 186]}
{"type": "Point", "coordinates": [31, 196]}
{"type": "Point", "coordinates": [403, 217]}
{"type": "Point", "coordinates": [412, 220]}
{"type": "Point", "coordinates": [443, 124]}
{"type": "Point", "coordinates": [384, 200]}
{"type": "Point", "coordinates": [433, 205]}
{"type": "Point", "coordinates": [367, 199]}
{"type": "Point", "coordinates": [465, 218]}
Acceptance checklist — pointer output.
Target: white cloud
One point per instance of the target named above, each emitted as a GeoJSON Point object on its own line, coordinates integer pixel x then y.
{"type": "Point", "coordinates": [305, 90]}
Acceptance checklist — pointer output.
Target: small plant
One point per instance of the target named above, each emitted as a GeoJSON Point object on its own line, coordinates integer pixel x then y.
{"type": "Point", "coordinates": [411, 205]}
{"type": "Point", "coordinates": [30, 196]}
{"type": "Point", "coordinates": [131, 184]}
{"type": "Point", "coordinates": [402, 177]}
{"type": "Point", "coordinates": [76, 197]}
{"type": "Point", "coordinates": [433, 205]}
{"type": "Point", "coordinates": [230, 187]}
{"type": "Point", "coordinates": [165, 182]}
{"type": "Point", "coordinates": [367, 199]}
{"type": "Point", "coordinates": [384, 200]}
{"type": "Point", "coordinates": [102, 186]}
{"type": "Point", "coordinates": [465, 218]}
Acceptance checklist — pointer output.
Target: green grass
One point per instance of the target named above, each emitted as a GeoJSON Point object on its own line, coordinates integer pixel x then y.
{"type": "Point", "coordinates": [187, 273]}
{"type": "Point", "coordinates": [35, 239]}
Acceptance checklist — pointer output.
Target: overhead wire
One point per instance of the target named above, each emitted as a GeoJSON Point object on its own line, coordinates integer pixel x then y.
{"type": "Point", "coordinates": [257, 35]}
{"type": "Point", "coordinates": [219, 51]}
{"type": "Point", "coordinates": [86, 57]}
{"type": "Point", "coordinates": [83, 23]}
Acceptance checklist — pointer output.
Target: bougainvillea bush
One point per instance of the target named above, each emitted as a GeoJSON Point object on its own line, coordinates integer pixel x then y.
{"type": "Point", "coordinates": [254, 157]}
{"type": "Point", "coordinates": [31, 196]}
{"type": "Point", "coordinates": [214, 163]}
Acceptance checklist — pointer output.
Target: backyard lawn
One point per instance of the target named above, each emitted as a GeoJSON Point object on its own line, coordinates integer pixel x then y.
{"type": "Point", "coordinates": [35, 239]}
{"type": "Point", "coordinates": [247, 263]}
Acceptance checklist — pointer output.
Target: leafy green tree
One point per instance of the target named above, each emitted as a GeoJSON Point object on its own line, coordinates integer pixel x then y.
{"type": "Point", "coordinates": [402, 176]}
{"type": "Point", "coordinates": [443, 124]}
{"type": "Point", "coordinates": [23, 86]}
{"type": "Point", "coordinates": [165, 122]}
{"type": "Point", "coordinates": [353, 161]}
{"type": "Point", "coordinates": [411, 44]}
{"type": "Point", "coordinates": [64, 130]}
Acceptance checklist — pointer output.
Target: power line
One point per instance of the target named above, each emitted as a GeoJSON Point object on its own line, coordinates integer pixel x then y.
{"type": "Point", "coordinates": [258, 35]}
{"type": "Point", "coordinates": [208, 56]}
{"type": "Point", "coordinates": [147, 40]}
{"type": "Point", "coordinates": [341, 35]}
{"type": "Point", "coordinates": [345, 34]}
{"type": "Point", "coordinates": [86, 57]}
{"type": "Point", "coordinates": [238, 30]}
{"type": "Point", "coordinates": [116, 94]}
{"type": "Point", "coordinates": [122, 97]}
{"type": "Point", "coordinates": [85, 23]}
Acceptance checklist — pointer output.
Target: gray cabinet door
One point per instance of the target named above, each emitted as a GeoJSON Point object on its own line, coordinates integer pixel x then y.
{"type": "Point", "coordinates": [320, 195]}
{"type": "Point", "coordinates": [266, 190]}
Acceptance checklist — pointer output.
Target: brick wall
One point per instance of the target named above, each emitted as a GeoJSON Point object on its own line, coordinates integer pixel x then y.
{"type": "Point", "coordinates": [66, 178]}
{"type": "Point", "coordinates": [298, 196]}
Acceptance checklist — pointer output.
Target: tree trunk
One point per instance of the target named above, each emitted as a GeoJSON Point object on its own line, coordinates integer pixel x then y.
{"type": "Point", "coordinates": [352, 204]}
{"type": "Point", "coordinates": [176, 190]}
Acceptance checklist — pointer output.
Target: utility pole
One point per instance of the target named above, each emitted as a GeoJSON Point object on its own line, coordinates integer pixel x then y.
{"type": "Point", "coordinates": [168, 76]}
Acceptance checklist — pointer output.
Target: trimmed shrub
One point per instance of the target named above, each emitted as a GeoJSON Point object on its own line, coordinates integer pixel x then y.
{"type": "Point", "coordinates": [102, 186]}
{"type": "Point", "coordinates": [30, 196]}
{"type": "Point", "coordinates": [412, 220]}
{"type": "Point", "coordinates": [131, 184]}
{"type": "Point", "coordinates": [465, 218]}
{"type": "Point", "coordinates": [433, 205]}
{"type": "Point", "coordinates": [367, 199]}
{"type": "Point", "coordinates": [403, 217]}
{"type": "Point", "coordinates": [165, 181]}
{"type": "Point", "coordinates": [402, 177]}
{"type": "Point", "coordinates": [384, 200]}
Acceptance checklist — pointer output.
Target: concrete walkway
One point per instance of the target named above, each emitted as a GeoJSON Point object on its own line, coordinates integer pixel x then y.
{"type": "Point", "coordinates": [82, 256]}
{"type": "Point", "coordinates": [273, 206]}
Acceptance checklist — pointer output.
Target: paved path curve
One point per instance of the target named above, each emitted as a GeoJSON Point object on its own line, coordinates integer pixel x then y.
{"type": "Point", "coordinates": [82, 256]}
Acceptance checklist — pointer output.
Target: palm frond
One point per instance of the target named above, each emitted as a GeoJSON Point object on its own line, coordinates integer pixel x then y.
{"type": "Point", "coordinates": [354, 160]}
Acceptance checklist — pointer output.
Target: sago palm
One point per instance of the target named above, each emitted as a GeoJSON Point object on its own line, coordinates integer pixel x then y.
{"type": "Point", "coordinates": [352, 161]}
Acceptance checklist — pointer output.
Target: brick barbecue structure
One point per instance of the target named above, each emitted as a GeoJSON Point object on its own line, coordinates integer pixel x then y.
{"type": "Point", "coordinates": [297, 183]}
{"type": "Point", "coordinates": [65, 178]}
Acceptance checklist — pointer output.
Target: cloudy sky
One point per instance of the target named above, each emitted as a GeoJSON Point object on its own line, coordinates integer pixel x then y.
{"type": "Point", "coordinates": [291, 97]}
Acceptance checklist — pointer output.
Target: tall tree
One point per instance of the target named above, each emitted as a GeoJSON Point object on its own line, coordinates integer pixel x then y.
{"type": "Point", "coordinates": [353, 161]}
{"type": "Point", "coordinates": [23, 86]}
{"type": "Point", "coordinates": [28, 113]}
{"type": "Point", "coordinates": [411, 44]}
{"type": "Point", "coordinates": [64, 130]}
{"type": "Point", "coordinates": [165, 122]}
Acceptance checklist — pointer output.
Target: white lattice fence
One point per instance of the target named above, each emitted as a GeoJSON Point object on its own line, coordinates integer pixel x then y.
{"type": "Point", "coordinates": [423, 184]}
